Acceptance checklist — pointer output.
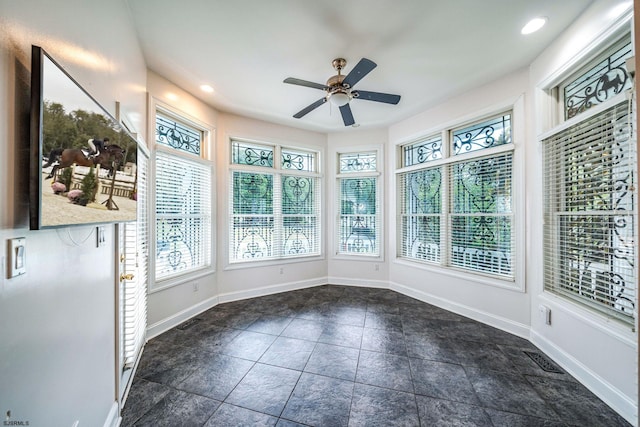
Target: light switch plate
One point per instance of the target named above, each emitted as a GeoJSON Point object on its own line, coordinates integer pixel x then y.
{"type": "Point", "coordinates": [17, 259]}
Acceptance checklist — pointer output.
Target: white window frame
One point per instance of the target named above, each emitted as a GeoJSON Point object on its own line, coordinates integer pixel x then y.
{"type": "Point", "coordinates": [553, 88]}
{"type": "Point", "coordinates": [380, 201]}
{"type": "Point", "coordinates": [277, 171]}
{"type": "Point", "coordinates": [207, 159]}
{"type": "Point", "coordinates": [516, 106]}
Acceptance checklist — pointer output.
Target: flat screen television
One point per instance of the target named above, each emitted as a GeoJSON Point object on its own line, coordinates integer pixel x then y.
{"type": "Point", "coordinates": [83, 161]}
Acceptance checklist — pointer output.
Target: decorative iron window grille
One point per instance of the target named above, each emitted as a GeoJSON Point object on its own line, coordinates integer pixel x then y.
{"type": "Point", "coordinates": [422, 151]}
{"type": "Point", "coordinates": [244, 153]}
{"type": "Point", "coordinates": [358, 162]}
{"type": "Point", "coordinates": [600, 82]}
{"type": "Point", "coordinates": [590, 211]}
{"type": "Point", "coordinates": [486, 134]}
{"type": "Point", "coordinates": [476, 231]}
{"type": "Point", "coordinates": [273, 215]}
{"type": "Point", "coordinates": [298, 160]}
{"type": "Point", "coordinates": [177, 135]}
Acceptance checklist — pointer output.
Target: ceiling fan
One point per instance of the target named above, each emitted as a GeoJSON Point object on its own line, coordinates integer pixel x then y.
{"type": "Point", "coordinates": [340, 91]}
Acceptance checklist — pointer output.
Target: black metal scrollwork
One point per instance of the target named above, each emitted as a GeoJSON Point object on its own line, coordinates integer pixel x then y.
{"type": "Point", "coordinates": [257, 157]}
{"type": "Point", "coordinates": [175, 135]}
{"type": "Point", "coordinates": [603, 81]}
{"type": "Point", "coordinates": [357, 162]}
{"type": "Point", "coordinates": [422, 152]}
{"type": "Point", "coordinates": [483, 135]}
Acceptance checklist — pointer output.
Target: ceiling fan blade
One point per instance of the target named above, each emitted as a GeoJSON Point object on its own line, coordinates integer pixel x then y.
{"type": "Point", "coordinates": [310, 108]}
{"type": "Point", "coordinates": [299, 82]}
{"type": "Point", "coordinates": [361, 69]}
{"type": "Point", "coordinates": [347, 115]}
{"type": "Point", "coordinates": [376, 96]}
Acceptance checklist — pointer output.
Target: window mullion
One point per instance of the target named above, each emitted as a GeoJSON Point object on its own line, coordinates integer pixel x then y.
{"type": "Point", "coordinates": [445, 227]}
{"type": "Point", "coordinates": [445, 234]}
{"type": "Point", "coordinates": [278, 217]}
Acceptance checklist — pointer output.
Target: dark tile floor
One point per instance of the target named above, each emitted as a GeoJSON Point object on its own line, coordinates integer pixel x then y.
{"type": "Point", "coordinates": [347, 356]}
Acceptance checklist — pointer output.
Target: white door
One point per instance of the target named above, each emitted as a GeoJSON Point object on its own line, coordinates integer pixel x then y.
{"type": "Point", "coordinates": [132, 291]}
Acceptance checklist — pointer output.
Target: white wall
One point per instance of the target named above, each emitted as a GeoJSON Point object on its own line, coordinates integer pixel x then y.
{"type": "Point", "coordinates": [599, 352]}
{"type": "Point", "coordinates": [57, 322]}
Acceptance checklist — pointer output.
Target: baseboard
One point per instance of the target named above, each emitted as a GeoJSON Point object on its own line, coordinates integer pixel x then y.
{"type": "Point", "coordinates": [499, 322]}
{"type": "Point", "coordinates": [113, 419]}
{"type": "Point", "coordinates": [366, 283]}
{"type": "Point", "coordinates": [173, 321]}
{"type": "Point", "coordinates": [273, 289]}
{"type": "Point", "coordinates": [612, 396]}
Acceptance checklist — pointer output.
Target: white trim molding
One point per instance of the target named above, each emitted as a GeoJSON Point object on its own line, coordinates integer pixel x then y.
{"type": "Point", "coordinates": [273, 289]}
{"type": "Point", "coordinates": [507, 325]}
{"type": "Point", "coordinates": [363, 283]}
{"type": "Point", "coordinates": [186, 314]}
{"type": "Point", "coordinates": [612, 396]}
{"type": "Point", "coordinates": [113, 418]}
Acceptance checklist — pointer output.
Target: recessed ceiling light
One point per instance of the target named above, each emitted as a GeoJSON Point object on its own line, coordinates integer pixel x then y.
{"type": "Point", "coordinates": [206, 88]}
{"type": "Point", "coordinates": [534, 25]}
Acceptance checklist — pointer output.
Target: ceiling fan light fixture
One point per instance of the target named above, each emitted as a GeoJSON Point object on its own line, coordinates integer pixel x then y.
{"type": "Point", "coordinates": [339, 98]}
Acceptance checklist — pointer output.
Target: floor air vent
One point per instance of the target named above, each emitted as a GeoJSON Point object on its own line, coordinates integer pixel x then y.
{"type": "Point", "coordinates": [542, 361]}
{"type": "Point", "coordinates": [186, 325]}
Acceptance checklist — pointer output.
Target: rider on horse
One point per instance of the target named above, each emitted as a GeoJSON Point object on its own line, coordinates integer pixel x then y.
{"type": "Point", "coordinates": [96, 146]}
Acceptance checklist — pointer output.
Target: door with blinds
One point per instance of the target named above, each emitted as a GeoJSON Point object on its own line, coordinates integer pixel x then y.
{"type": "Point", "coordinates": [132, 289]}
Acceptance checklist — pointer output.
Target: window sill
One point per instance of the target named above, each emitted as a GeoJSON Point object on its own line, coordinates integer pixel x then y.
{"type": "Point", "coordinates": [358, 257]}
{"type": "Point", "coordinates": [508, 284]}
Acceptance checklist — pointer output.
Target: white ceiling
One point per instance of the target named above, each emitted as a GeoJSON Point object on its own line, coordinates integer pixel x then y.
{"type": "Point", "coordinates": [426, 50]}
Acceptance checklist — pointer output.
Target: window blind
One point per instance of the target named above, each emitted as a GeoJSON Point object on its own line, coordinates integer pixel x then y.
{"type": "Point", "coordinates": [420, 209]}
{"type": "Point", "coordinates": [481, 215]}
{"type": "Point", "coordinates": [252, 225]}
{"type": "Point", "coordinates": [183, 215]}
{"type": "Point", "coordinates": [590, 210]}
{"type": "Point", "coordinates": [300, 223]}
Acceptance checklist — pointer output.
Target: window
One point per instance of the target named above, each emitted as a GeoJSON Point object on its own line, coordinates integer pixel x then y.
{"type": "Point", "coordinates": [275, 205]}
{"type": "Point", "coordinates": [359, 204]}
{"type": "Point", "coordinates": [182, 199]}
{"type": "Point", "coordinates": [590, 205]}
{"type": "Point", "coordinates": [455, 199]}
